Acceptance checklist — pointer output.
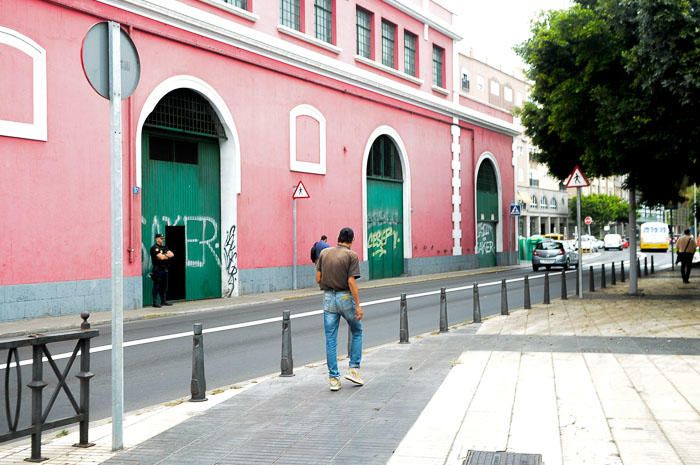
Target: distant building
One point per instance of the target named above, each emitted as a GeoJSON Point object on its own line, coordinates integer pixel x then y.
{"type": "Point", "coordinates": [542, 198]}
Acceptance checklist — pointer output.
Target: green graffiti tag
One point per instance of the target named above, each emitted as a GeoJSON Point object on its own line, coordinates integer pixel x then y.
{"type": "Point", "coordinates": [377, 241]}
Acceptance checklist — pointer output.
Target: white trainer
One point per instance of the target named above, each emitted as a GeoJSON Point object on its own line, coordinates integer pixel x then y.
{"type": "Point", "coordinates": [354, 376]}
{"type": "Point", "coordinates": [334, 384]}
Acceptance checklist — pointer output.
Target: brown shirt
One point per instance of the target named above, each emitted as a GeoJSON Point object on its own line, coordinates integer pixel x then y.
{"type": "Point", "coordinates": [686, 244]}
{"type": "Point", "coordinates": [336, 265]}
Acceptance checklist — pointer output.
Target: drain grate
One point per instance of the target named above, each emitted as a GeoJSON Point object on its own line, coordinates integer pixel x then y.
{"type": "Point", "coordinates": [479, 457]}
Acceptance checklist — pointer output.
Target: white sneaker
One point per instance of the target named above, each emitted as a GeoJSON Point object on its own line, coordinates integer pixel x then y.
{"type": "Point", "coordinates": [354, 376]}
{"type": "Point", "coordinates": [334, 384]}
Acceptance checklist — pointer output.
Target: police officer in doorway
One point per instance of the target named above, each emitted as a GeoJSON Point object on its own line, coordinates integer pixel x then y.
{"type": "Point", "coordinates": [160, 257]}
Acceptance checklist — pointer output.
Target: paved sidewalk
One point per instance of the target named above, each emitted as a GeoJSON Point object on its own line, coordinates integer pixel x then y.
{"type": "Point", "coordinates": [612, 379]}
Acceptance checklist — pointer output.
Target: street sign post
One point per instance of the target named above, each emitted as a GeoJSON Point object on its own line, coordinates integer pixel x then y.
{"type": "Point", "coordinates": [300, 192]}
{"type": "Point", "coordinates": [515, 209]}
{"type": "Point", "coordinates": [105, 45]}
{"type": "Point", "coordinates": [578, 180]}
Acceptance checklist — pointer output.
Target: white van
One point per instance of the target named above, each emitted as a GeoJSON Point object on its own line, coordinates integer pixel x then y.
{"type": "Point", "coordinates": [612, 241]}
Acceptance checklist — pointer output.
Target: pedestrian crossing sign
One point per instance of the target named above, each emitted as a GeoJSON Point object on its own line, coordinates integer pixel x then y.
{"type": "Point", "coordinates": [514, 209]}
{"type": "Point", "coordinates": [300, 192]}
{"type": "Point", "coordinates": [577, 179]}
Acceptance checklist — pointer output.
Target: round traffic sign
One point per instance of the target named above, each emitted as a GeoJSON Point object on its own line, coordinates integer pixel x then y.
{"type": "Point", "coordinates": [588, 220]}
{"type": "Point", "coordinates": [95, 56]}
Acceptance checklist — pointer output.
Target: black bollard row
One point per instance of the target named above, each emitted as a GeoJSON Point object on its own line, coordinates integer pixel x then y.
{"type": "Point", "coordinates": [546, 288]}
{"type": "Point", "coordinates": [646, 267]}
{"type": "Point", "coordinates": [652, 264]}
{"type": "Point", "coordinates": [622, 271]}
{"type": "Point", "coordinates": [591, 280]}
{"type": "Point", "coordinates": [578, 282]}
{"type": "Point", "coordinates": [287, 362]}
{"type": "Point", "coordinates": [639, 269]}
{"type": "Point", "coordinates": [526, 296]}
{"type": "Point", "coordinates": [198, 385]}
{"type": "Point", "coordinates": [613, 278]}
{"type": "Point", "coordinates": [403, 321]}
{"type": "Point", "coordinates": [564, 291]}
{"type": "Point", "coordinates": [477, 304]}
{"type": "Point", "coordinates": [504, 298]}
{"type": "Point", "coordinates": [443, 311]}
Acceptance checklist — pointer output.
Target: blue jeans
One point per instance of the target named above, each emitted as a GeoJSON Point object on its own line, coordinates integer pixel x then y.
{"type": "Point", "coordinates": [335, 305]}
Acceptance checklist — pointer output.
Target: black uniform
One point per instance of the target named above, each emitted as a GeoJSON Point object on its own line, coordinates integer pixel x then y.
{"type": "Point", "coordinates": [160, 274]}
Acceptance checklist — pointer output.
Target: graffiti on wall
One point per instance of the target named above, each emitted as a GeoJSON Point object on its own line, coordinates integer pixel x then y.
{"type": "Point", "coordinates": [201, 233]}
{"type": "Point", "coordinates": [377, 241]}
{"type": "Point", "coordinates": [484, 238]}
{"type": "Point", "coordinates": [231, 260]}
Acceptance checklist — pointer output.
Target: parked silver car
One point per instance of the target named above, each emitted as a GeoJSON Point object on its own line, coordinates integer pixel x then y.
{"type": "Point", "coordinates": [554, 253]}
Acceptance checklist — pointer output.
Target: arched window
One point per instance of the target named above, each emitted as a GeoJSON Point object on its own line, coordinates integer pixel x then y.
{"type": "Point", "coordinates": [533, 202]}
{"type": "Point", "coordinates": [553, 204]}
{"type": "Point", "coordinates": [543, 202]}
{"type": "Point", "coordinates": [384, 160]}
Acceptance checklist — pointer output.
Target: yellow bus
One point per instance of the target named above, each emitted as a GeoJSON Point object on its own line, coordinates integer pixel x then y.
{"type": "Point", "coordinates": [653, 236]}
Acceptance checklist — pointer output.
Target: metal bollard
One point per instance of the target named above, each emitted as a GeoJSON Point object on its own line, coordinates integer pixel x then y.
{"type": "Point", "coordinates": [546, 288]}
{"type": "Point", "coordinates": [652, 264]}
{"type": "Point", "coordinates": [613, 278]}
{"type": "Point", "coordinates": [646, 267]}
{"type": "Point", "coordinates": [639, 269]}
{"type": "Point", "coordinates": [602, 276]}
{"type": "Point", "coordinates": [526, 296]}
{"type": "Point", "coordinates": [578, 283]}
{"type": "Point", "coordinates": [622, 271]}
{"type": "Point", "coordinates": [198, 386]}
{"type": "Point", "coordinates": [287, 363]}
{"type": "Point", "coordinates": [477, 304]}
{"type": "Point", "coordinates": [403, 321]}
{"type": "Point", "coordinates": [504, 297]}
{"type": "Point", "coordinates": [443, 311]}
{"type": "Point", "coordinates": [591, 280]}
{"type": "Point", "coordinates": [564, 291]}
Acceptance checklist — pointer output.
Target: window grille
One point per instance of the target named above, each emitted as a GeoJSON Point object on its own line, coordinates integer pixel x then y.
{"type": "Point", "coordinates": [438, 60]}
{"type": "Point", "coordinates": [388, 44]}
{"type": "Point", "coordinates": [364, 33]}
{"type": "Point", "coordinates": [323, 14]}
{"type": "Point", "coordinates": [239, 3]}
{"type": "Point", "coordinates": [384, 161]}
{"type": "Point", "coordinates": [409, 65]}
{"type": "Point", "coordinates": [291, 14]}
{"type": "Point", "coordinates": [465, 81]}
{"type": "Point", "coordinates": [186, 111]}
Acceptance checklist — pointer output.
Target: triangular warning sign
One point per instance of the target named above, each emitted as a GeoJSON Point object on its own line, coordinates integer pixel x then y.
{"type": "Point", "coordinates": [577, 179]}
{"type": "Point", "coordinates": [300, 192]}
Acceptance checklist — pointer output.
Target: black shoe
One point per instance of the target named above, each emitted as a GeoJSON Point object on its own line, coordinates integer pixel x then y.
{"type": "Point", "coordinates": [156, 305]}
{"type": "Point", "coordinates": [167, 304]}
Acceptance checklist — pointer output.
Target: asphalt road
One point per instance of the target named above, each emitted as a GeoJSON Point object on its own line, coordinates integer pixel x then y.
{"type": "Point", "coordinates": [239, 346]}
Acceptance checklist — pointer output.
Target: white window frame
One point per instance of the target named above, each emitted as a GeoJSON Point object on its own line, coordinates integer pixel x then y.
{"type": "Point", "coordinates": [543, 202]}
{"type": "Point", "coordinates": [508, 93]}
{"type": "Point", "coordinates": [38, 128]}
{"type": "Point", "coordinates": [495, 87]}
{"type": "Point", "coordinates": [307, 166]}
{"type": "Point", "coordinates": [533, 201]}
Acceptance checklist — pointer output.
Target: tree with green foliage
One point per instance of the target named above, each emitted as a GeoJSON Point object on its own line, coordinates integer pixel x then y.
{"type": "Point", "coordinates": [615, 85]}
{"type": "Point", "coordinates": [603, 208]}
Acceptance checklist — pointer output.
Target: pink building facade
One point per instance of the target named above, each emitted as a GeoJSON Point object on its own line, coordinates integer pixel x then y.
{"type": "Point", "coordinates": [237, 102]}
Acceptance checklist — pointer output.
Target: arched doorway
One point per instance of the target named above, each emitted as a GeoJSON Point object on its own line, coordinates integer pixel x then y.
{"type": "Point", "coordinates": [487, 213]}
{"type": "Point", "coordinates": [181, 185]}
{"type": "Point", "coordinates": [385, 232]}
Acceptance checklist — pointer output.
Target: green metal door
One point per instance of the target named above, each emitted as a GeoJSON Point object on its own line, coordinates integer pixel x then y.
{"type": "Point", "coordinates": [384, 209]}
{"type": "Point", "coordinates": [487, 214]}
{"type": "Point", "coordinates": [181, 187]}
{"type": "Point", "coordinates": [384, 228]}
